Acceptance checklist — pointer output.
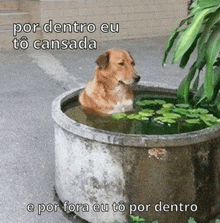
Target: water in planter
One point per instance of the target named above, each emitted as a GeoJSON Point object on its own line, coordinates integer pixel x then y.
{"type": "Point", "coordinates": [152, 115]}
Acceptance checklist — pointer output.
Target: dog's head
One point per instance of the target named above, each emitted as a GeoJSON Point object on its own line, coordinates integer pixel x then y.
{"type": "Point", "coordinates": [118, 65]}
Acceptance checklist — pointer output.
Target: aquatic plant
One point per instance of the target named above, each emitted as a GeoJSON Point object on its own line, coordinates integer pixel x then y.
{"type": "Point", "coordinates": [169, 113]}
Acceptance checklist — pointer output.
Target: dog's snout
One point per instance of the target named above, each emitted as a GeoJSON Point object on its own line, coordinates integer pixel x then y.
{"type": "Point", "coordinates": [137, 78]}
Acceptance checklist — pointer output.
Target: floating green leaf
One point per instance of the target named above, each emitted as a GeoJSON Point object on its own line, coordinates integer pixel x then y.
{"type": "Point", "coordinates": [160, 102]}
{"type": "Point", "coordinates": [146, 112]}
{"type": "Point", "coordinates": [134, 116]}
{"type": "Point", "coordinates": [140, 103]}
{"type": "Point", "coordinates": [190, 115]}
{"type": "Point", "coordinates": [182, 111]}
{"type": "Point", "coordinates": [171, 115]}
{"type": "Point", "coordinates": [209, 118]}
{"type": "Point", "coordinates": [150, 102]}
{"type": "Point", "coordinates": [168, 106]}
{"type": "Point", "coordinates": [200, 111]}
{"type": "Point", "coordinates": [162, 111]}
{"type": "Point", "coordinates": [119, 116]}
{"type": "Point", "coordinates": [193, 121]}
{"type": "Point", "coordinates": [165, 119]}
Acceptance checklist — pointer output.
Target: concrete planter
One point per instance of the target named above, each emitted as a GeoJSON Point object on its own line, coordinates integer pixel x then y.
{"type": "Point", "coordinates": [96, 169]}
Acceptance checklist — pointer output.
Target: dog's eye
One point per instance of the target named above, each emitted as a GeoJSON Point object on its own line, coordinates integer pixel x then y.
{"type": "Point", "coordinates": [132, 63]}
{"type": "Point", "coordinates": [121, 63]}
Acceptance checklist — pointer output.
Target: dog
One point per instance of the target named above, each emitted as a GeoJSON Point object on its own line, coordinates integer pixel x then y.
{"type": "Point", "coordinates": [111, 91]}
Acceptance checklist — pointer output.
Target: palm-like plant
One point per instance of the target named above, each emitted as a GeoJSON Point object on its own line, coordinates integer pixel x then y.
{"type": "Point", "coordinates": [201, 30]}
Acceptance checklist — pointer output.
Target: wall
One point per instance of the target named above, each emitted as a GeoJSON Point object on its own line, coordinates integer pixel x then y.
{"type": "Point", "coordinates": [136, 18]}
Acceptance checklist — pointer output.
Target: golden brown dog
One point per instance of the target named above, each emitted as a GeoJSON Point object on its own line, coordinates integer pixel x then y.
{"type": "Point", "coordinates": [110, 91]}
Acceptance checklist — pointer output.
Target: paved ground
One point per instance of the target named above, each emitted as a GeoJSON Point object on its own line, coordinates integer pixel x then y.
{"type": "Point", "coordinates": [29, 81]}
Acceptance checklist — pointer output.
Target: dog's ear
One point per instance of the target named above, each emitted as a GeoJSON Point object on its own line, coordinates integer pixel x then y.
{"type": "Point", "coordinates": [131, 57]}
{"type": "Point", "coordinates": [103, 60]}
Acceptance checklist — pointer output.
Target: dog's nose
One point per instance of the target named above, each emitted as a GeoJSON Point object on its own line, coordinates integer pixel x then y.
{"type": "Point", "coordinates": [137, 78]}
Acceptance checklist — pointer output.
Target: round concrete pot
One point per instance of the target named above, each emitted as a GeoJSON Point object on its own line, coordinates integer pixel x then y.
{"type": "Point", "coordinates": [105, 176]}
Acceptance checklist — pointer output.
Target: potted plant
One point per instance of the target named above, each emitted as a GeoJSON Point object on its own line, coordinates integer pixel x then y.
{"type": "Point", "coordinates": [201, 31]}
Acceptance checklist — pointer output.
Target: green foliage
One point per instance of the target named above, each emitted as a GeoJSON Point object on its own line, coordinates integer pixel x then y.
{"type": "Point", "coordinates": [169, 113]}
{"type": "Point", "coordinates": [150, 102]}
{"type": "Point", "coordinates": [119, 116]}
{"type": "Point", "coordinates": [191, 220]}
{"type": "Point", "coordinates": [137, 219]}
{"type": "Point", "coordinates": [201, 33]}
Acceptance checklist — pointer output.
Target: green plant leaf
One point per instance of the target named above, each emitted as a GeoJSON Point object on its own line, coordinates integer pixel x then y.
{"type": "Point", "coordinates": [217, 102]}
{"type": "Point", "coordinates": [119, 116]}
{"type": "Point", "coordinates": [160, 102]}
{"type": "Point", "coordinates": [202, 4]}
{"type": "Point", "coordinates": [200, 93]}
{"type": "Point", "coordinates": [150, 102]}
{"type": "Point", "coordinates": [165, 119]}
{"type": "Point", "coordinates": [191, 220]}
{"type": "Point", "coordinates": [171, 115]}
{"type": "Point", "coordinates": [161, 111]}
{"type": "Point", "coordinates": [170, 41]}
{"type": "Point", "coordinates": [182, 105]}
{"type": "Point", "coordinates": [189, 35]}
{"type": "Point", "coordinates": [217, 82]}
{"type": "Point", "coordinates": [193, 121]}
{"type": "Point", "coordinates": [206, 4]}
{"type": "Point", "coordinates": [169, 45]}
{"type": "Point", "coordinates": [168, 106]}
{"type": "Point", "coordinates": [184, 87]}
{"type": "Point", "coordinates": [137, 219]}
{"type": "Point", "coordinates": [217, 63]}
{"type": "Point", "coordinates": [134, 116]}
{"type": "Point", "coordinates": [209, 119]}
{"type": "Point", "coordinates": [200, 111]}
{"type": "Point", "coordinates": [140, 103]}
{"type": "Point", "coordinates": [181, 111]}
{"type": "Point", "coordinates": [192, 115]}
{"type": "Point", "coordinates": [208, 26]}
{"type": "Point", "coordinates": [212, 52]}
{"type": "Point", "coordinates": [146, 113]}
{"type": "Point", "coordinates": [187, 54]}
{"type": "Point", "coordinates": [196, 83]}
